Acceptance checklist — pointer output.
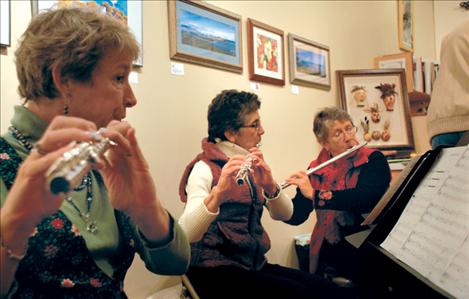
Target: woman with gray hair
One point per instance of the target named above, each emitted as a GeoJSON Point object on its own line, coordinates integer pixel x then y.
{"type": "Point", "coordinates": [73, 67]}
{"type": "Point", "coordinates": [340, 192]}
{"type": "Point", "coordinates": [223, 218]}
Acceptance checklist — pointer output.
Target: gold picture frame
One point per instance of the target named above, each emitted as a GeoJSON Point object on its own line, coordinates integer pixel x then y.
{"type": "Point", "coordinates": [204, 34]}
{"type": "Point", "coordinates": [309, 62]}
{"type": "Point", "coordinates": [398, 61]}
{"type": "Point", "coordinates": [405, 23]}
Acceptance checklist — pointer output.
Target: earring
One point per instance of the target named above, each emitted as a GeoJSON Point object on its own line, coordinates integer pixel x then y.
{"type": "Point", "coordinates": [66, 109]}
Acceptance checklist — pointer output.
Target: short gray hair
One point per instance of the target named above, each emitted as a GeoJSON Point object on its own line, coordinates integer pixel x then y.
{"type": "Point", "coordinates": [325, 118]}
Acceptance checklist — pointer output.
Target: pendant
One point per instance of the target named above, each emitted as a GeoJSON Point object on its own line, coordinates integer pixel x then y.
{"type": "Point", "coordinates": [92, 227]}
{"type": "Point", "coordinates": [91, 224]}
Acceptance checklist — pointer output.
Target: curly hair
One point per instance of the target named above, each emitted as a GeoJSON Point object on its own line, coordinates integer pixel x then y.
{"type": "Point", "coordinates": [72, 39]}
{"type": "Point", "coordinates": [228, 110]}
{"type": "Point", "coordinates": [325, 118]}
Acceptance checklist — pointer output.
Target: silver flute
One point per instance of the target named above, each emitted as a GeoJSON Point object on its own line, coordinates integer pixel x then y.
{"type": "Point", "coordinates": [245, 168]}
{"type": "Point", "coordinates": [244, 171]}
{"type": "Point", "coordinates": [331, 160]}
{"type": "Point", "coordinates": [69, 169]}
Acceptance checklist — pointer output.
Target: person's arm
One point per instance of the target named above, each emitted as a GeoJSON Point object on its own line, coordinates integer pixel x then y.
{"type": "Point", "coordinates": [166, 257]}
{"type": "Point", "coordinates": [302, 207]}
{"type": "Point", "coordinates": [280, 207]}
{"type": "Point", "coordinates": [29, 201]}
{"type": "Point", "coordinates": [197, 217]}
{"type": "Point", "coordinates": [373, 181]}
{"type": "Point", "coordinates": [12, 248]}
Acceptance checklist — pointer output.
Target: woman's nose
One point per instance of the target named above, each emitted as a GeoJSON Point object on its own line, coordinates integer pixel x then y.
{"type": "Point", "coordinates": [129, 97]}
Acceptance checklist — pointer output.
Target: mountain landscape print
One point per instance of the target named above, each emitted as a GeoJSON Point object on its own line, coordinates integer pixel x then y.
{"type": "Point", "coordinates": [310, 63]}
{"type": "Point", "coordinates": [208, 34]}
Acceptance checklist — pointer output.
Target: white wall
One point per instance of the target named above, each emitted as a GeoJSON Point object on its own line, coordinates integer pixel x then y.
{"type": "Point", "coordinates": [170, 117]}
{"type": "Point", "coordinates": [448, 15]}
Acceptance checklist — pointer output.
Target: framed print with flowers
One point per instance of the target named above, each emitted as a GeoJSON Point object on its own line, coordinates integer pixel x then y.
{"type": "Point", "coordinates": [309, 63]}
{"type": "Point", "coordinates": [377, 101]}
{"type": "Point", "coordinates": [265, 53]}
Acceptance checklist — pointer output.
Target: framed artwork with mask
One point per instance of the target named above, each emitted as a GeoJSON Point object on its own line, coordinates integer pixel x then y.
{"type": "Point", "coordinates": [127, 11]}
{"type": "Point", "coordinates": [377, 101]}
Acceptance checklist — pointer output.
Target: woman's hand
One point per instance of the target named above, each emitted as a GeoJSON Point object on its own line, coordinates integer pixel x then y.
{"type": "Point", "coordinates": [130, 184]}
{"type": "Point", "coordinates": [301, 180]}
{"type": "Point", "coordinates": [30, 200]}
{"type": "Point", "coordinates": [226, 183]}
{"type": "Point", "coordinates": [261, 172]}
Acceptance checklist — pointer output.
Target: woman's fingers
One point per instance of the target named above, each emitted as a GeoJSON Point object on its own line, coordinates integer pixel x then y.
{"type": "Point", "coordinates": [119, 132]}
{"type": "Point", "coordinates": [41, 162]}
{"type": "Point", "coordinates": [58, 138]}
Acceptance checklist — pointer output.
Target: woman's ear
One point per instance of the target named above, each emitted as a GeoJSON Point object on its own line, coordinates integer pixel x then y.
{"type": "Point", "coordinates": [324, 144]}
{"type": "Point", "coordinates": [60, 83]}
{"type": "Point", "coordinates": [230, 135]}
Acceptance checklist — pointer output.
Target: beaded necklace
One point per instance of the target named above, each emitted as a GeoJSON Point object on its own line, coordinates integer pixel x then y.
{"type": "Point", "coordinates": [91, 224]}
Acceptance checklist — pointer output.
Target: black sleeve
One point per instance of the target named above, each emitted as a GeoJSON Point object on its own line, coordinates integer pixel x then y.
{"type": "Point", "coordinates": [373, 181]}
{"type": "Point", "coordinates": [302, 207]}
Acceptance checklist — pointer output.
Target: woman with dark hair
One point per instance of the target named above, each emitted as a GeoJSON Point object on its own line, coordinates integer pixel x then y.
{"type": "Point", "coordinates": [73, 67]}
{"type": "Point", "coordinates": [340, 193]}
{"type": "Point", "coordinates": [223, 219]}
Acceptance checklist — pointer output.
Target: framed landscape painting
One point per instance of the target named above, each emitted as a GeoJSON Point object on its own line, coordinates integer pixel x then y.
{"type": "Point", "coordinates": [309, 63]}
{"type": "Point", "coordinates": [203, 34]}
{"type": "Point", "coordinates": [265, 53]}
{"type": "Point", "coordinates": [406, 25]}
{"type": "Point", "coordinates": [378, 103]}
{"type": "Point", "coordinates": [126, 11]}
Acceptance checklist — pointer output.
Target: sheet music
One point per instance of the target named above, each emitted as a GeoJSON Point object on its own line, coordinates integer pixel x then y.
{"type": "Point", "coordinates": [432, 233]}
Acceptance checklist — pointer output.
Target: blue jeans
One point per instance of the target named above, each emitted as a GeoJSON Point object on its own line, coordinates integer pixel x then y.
{"type": "Point", "coordinates": [449, 139]}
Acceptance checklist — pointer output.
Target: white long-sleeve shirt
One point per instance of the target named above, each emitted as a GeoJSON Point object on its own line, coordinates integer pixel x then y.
{"type": "Point", "coordinates": [196, 218]}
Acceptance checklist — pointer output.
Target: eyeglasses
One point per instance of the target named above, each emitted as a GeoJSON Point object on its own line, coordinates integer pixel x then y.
{"type": "Point", "coordinates": [255, 125]}
{"type": "Point", "coordinates": [339, 134]}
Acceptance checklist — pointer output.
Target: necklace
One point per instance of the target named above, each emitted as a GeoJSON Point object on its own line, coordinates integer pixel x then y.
{"type": "Point", "coordinates": [91, 224]}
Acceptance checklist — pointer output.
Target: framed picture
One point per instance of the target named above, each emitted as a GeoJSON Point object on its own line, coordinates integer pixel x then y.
{"type": "Point", "coordinates": [378, 103]}
{"type": "Point", "coordinates": [5, 23]}
{"type": "Point", "coordinates": [309, 62]}
{"type": "Point", "coordinates": [398, 61]}
{"type": "Point", "coordinates": [265, 53]}
{"type": "Point", "coordinates": [127, 11]}
{"type": "Point", "coordinates": [405, 25]}
{"type": "Point", "coordinates": [203, 34]}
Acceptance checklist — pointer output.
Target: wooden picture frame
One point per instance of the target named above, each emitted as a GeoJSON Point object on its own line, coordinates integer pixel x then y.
{"type": "Point", "coordinates": [131, 13]}
{"type": "Point", "coordinates": [309, 63]}
{"type": "Point", "coordinates": [204, 34]}
{"type": "Point", "coordinates": [5, 23]}
{"type": "Point", "coordinates": [405, 23]}
{"type": "Point", "coordinates": [362, 96]}
{"type": "Point", "coordinates": [398, 61]}
{"type": "Point", "coordinates": [265, 53]}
